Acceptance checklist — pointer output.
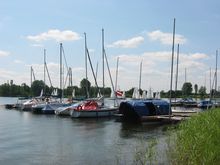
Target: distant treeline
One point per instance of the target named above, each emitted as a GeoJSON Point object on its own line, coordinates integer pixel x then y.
{"type": "Point", "coordinates": [23, 90]}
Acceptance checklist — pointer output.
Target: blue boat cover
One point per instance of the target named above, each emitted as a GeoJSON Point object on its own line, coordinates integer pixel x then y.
{"type": "Point", "coordinates": [147, 107]}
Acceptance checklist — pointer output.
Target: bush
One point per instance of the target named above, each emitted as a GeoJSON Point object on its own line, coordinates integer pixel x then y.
{"type": "Point", "coordinates": [197, 140]}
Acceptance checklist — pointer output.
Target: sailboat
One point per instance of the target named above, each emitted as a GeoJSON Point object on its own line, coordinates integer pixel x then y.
{"type": "Point", "coordinates": [142, 107]}
{"type": "Point", "coordinates": [50, 104]}
{"type": "Point", "coordinates": [94, 107]}
{"type": "Point", "coordinates": [65, 110]}
{"type": "Point", "coordinates": [27, 105]}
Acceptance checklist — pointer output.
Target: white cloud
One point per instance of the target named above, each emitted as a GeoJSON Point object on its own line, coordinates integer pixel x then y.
{"type": "Point", "coordinates": [192, 65]}
{"type": "Point", "coordinates": [155, 71]}
{"type": "Point", "coordinates": [18, 61]}
{"type": "Point", "coordinates": [157, 56]}
{"type": "Point", "coordinates": [198, 56]}
{"type": "Point", "coordinates": [37, 45]}
{"type": "Point", "coordinates": [129, 43]}
{"type": "Point", "coordinates": [55, 34]}
{"type": "Point", "coordinates": [166, 38]}
{"type": "Point", "coordinates": [91, 50]}
{"type": "Point", "coordinates": [4, 53]}
{"type": "Point", "coordinates": [156, 68]}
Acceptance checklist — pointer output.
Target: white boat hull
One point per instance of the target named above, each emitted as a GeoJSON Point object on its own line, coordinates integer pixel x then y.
{"type": "Point", "coordinates": [65, 112]}
{"type": "Point", "coordinates": [103, 112]}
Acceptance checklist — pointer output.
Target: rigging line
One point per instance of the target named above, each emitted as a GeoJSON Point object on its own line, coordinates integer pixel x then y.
{"type": "Point", "coordinates": [96, 74]}
{"type": "Point", "coordinates": [92, 70]}
{"type": "Point", "coordinates": [103, 64]}
{"type": "Point", "coordinates": [212, 94]}
{"type": "Point", "coordinates": [33, 73]}
{"type": "Point", "coordinates": [113, 88]}
{"type": "Point", "coordinates": [48, 74]}
{"type": "Point", "coordinates": [109, 71]}
{"type": "Point", "coordinates": [64, 58]}
{"type": "Point", "coordinates": [140, 79]}
{"type": "Point", "coordinates": [67, 75]}
{"type": "Point", "coordinates": [87, 89]}
{"type": "Point", "coordinates": [177, 70]}
{"type": "Point", "coordinates": [116, 78]}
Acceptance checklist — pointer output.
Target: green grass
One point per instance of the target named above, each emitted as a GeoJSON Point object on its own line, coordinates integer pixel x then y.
{"type": "Point", "coordinates": [197, 140]}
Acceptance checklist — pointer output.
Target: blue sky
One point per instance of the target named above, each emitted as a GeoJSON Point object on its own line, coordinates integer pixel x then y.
{"type": "Point", "coordinates": [134, 31]}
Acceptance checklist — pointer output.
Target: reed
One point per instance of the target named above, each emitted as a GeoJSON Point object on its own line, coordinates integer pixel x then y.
{"type": "Point", "coordinates": [197, 140]}
{"type": "Point", "coordinates": [145, 153]}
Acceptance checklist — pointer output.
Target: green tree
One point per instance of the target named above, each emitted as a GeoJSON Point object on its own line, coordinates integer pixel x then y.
{"type": "Point", "coordinates": [172, 93]}
{"type": "Point", "coordinates": [202, 92]}
{"type": "Point", "coordinates": [187, 88]}
{"type": "Point", "coordinates": [163, 94]}
{"type": "Point", "coordinates": [129, 93]}
{"type": "Point", "coordinates": [25, 89]}
{"type": "Point", "coordinates": [196, 88]}
{"type": "Point", "coordinates": [84, 84]}
{"type": "Point", "coordinates": [5, 90]}
{"type": "Point", "coordinates": [36, 87]}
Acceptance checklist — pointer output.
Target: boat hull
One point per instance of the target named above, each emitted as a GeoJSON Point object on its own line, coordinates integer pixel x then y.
{"type": "Point", "coordinates": [105, 112]}
{"type": "Point", "coordinates": [136, 110]}
{"type": "Point", "coordinates": [64, 112]}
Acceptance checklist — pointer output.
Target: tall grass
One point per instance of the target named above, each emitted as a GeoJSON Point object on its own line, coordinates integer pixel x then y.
{"type": "Point", "coordinates": [146, 153]}
{"type": "Point", "coordinates": [197, 140]}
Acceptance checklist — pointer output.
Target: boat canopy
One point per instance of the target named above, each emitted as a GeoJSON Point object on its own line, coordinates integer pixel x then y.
{"type": "Point", "coordinates": [88, 105]}
{"type": "Point", "coordinates": [141, 108]}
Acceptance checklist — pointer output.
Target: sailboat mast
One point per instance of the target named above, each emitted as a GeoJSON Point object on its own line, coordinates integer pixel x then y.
{"type": "Point", "coordinates": [44, 72]}
{"type": "Point", "coordinates": [177, 69]}
{"type": "Point", "coordinates": [96, 71]}
{"type": "Point", "coordinates": [70, 77]}
{"type": "Point", "coordinates": [103, 64]}
{"type": "Point", "coordinates": [171, 75]}
{"type": "Point", "coordinates": [116, 79]}
{"type": "Point", "coordinates": [105, 58]}
{"type": "Point", "coordinates": [87, 93]}
{"type": "Point", "coordinates": [216, 68]}
{"type": "Point", "coordinates": [31, 76]}
{"type": "Point", "coordinates": [210, 79]}
{"type": "Point", "coordinates": [139, 87]}
{"type": "Point", "coordinates": [61, 67]}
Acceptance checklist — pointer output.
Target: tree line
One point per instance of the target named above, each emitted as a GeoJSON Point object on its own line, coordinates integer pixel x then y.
{"type": "Point", "coordinates": [23, 90]}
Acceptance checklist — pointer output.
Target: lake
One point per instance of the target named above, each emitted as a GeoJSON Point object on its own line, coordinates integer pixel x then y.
{"type": "Point", "coordinates": [27, 138]}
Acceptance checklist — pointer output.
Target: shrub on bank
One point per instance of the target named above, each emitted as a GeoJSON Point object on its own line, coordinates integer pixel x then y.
{"type": "Point", "coordinates": [197, 140]}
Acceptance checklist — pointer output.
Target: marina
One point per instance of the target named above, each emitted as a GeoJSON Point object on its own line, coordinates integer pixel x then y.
{"type": "Point", "coordinates": [52, 139]}
{"type": "Point", "coordinates": [109, 83]}
{"type": "Point", "coordinates": [28, 138]}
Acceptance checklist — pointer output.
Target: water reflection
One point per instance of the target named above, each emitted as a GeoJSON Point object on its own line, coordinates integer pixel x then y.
{"type": "Point", "coordinates": [28, 138]}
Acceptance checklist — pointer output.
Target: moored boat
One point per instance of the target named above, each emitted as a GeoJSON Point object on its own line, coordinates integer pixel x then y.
{"type": "Point", "coordinates": [93, 109]}
{"type": "Point", "coordinates": [205, 104]}
{"type": "Point", "coordinates": [50, 108]}
{"type": "Point", "coordinates": [66, 110]}
{"type": "Point", "coordinates": [27, 106]}
{"type": "Point", "coordinates": [136, 110]}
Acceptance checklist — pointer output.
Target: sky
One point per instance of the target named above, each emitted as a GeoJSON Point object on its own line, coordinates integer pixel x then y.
{"type": "Point", "coordinates": [134, 31]}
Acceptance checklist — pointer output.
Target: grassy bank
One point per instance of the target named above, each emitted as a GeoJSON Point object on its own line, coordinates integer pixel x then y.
{"type": "Point", "coordinates": [197, 140]}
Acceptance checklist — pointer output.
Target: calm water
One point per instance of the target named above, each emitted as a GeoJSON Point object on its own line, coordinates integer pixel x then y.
{"type": "Point", "coordinates": [27, 138]}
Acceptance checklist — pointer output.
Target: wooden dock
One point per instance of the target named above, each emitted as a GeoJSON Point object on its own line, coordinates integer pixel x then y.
{"type": "Point", "coordinates": [9, 106]}
{"type": "Point", "coordinates": [163, 118]}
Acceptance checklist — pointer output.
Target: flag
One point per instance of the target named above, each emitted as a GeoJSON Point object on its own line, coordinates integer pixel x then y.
{"type": "Point", "coordinates": [119, 93]}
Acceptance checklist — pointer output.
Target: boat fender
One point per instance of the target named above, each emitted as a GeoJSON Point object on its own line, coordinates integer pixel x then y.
{"type": "Point", "coordinates": [79, 108]}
